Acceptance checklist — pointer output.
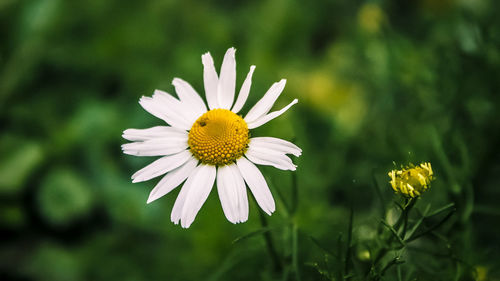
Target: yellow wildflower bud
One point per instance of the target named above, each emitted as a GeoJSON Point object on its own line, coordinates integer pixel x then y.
{"type": "Point", "coordinates": [412, 181]}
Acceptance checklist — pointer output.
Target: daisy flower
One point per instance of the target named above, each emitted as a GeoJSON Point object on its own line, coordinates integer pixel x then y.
{"type": "Point", "coordinates": [203, 145]}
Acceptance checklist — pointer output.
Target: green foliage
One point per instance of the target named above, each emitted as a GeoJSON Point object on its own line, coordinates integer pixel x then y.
{"type": "Point", "coordinates": [377, 81]}
{"type": "Point", "coordinates": [19, 159]}
{"type": "Point", "coordinates": [64, 197]}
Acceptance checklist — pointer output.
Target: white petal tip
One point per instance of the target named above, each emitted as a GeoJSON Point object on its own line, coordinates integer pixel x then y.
{"type": "Point", "coordinates": [151, 198]}
{"type": "Point", "coordinates": [175, 81]}
{"type": "Point", "coordinates": [136, 179]}
{"type": "Point", "coordinates": [206, 58]}
{"type": "Point", "coordinates": [243, 220]}
{"type": "Point", "coordinates": [157, 92]}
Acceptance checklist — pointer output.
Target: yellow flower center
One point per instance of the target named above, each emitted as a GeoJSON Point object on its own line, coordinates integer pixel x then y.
{"type": "Point", "coordinates": [218, 137]}
{"type": "Point", "coordinates": [412, 181]}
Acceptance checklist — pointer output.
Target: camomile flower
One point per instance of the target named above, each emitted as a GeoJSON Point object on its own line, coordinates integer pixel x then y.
{"type": "Point", "coordinates": [206, 145]}
{"type": "Point", "coordinates": [412, 181]}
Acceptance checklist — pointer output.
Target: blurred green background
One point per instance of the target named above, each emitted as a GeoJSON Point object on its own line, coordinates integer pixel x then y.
{"type": "Point", "coordinates": [377, 81]}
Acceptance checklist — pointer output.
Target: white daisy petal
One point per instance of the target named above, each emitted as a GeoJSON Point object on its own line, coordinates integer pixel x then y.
{"type": "Point", "coordinates": [172, 180]}
{"type": "Point", "coordinates": [266, 118]}
{"type": "Point", "coordinates": [232, 193]}
{"type": "Point", "coordinates": [227, 80]}
{"type": "Point", "coordinates": [264, 156]}
{"type": "Point", "coordinates": [161, 166]}
{"type": "Point", "coordinates": [257, 184]}
{"type": "Point", "coordinates": [211, 80]}
{"type": "Point", "coordinates": [276, 144]}
{"type": "Point", "coordinates": [244, 91]}
{"type": "Point", "coordinates": [242, 194]}
{"type": "Point", "coordinates": [227, 194]}
{"type": "Point", "coordinates": [152, 133]}
{"type": "Point", "coordinates": [266, 102]}
{"type": "Point", "coordinates": [181, 109]}
{"type": "Point", "coordinates": [175, 216]}
{"type": "Point", "coordinates": [200, 187]}
{"type": "Point", "coordinates": [156, 147]}
{"type": "Point", "coordinates": [163, 112]}
{"type": "Point", "coordinates": [188, 95]}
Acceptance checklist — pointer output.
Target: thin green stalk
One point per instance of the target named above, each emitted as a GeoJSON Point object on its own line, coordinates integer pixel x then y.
{"type": "Point", "coordinates": [409, 203]}
{"type": "Point", "coordinates": [418, 223]}
{"type": "Point", "coordinates": [295, 194]}
{"type": "Point", "coordinates": [348, 250]}
{"type": "Point", "coordinates": [295, 250]}
{"type": "Point", "coordinates": [379, 193]}
{"type": "Point", "coordinates": [405, 224]}
{"type": "Point", "coordinates": [432, 228]}
{"type": "Point", "coordinates": [395, 261]}
{"type": "Point", "coordinates": [394, 233]}
{"type": "Point", "coordinates": [281, 202]}
{"type": "Point", "coordinates": [339, 272]}
{"type": "Point", "coordinates": [271, 249]}
{"type": "Point", "coordinates": [400, 277]}
{"type": "Point", "coordinates": [322, 247]}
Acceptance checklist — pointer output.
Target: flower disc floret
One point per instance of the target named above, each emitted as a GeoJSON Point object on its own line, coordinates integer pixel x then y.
{"type": "Point", "coordinates": [218, 137]}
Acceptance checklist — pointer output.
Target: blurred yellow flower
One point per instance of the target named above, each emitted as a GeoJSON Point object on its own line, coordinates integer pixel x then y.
{"type": "Point", "coordinates": [340, 100]}
{"type": "Point", "coordinates": [364, 255]}
{"type": "Point", "coordinates": [412, 181]}
{"type": "Point", "coordinates": [370, 17]}
{"type": "Point", "coordinates": [481, 273]}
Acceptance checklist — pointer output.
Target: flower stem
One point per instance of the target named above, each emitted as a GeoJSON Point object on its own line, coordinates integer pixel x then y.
{"type": "Point", "coordinates": [295, 255]}
{"type": "Point", "coordinates": [278, 267]}
{"type": "Point", "coordinates": [403, 219]}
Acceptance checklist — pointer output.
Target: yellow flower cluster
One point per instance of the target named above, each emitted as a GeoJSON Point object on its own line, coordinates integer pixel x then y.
{"type": "Point", "coordinates": [218, 137]}
{"type": "Point", "coordinates": [412, 181]}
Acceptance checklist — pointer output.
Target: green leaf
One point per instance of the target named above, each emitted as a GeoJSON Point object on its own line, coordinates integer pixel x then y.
{"type": "Point", "coordinates": [394, 232]}
{"type": "Point", "coordinates": [442, 209]}
{"type": "Point", "coordinates": [319, 245]}
{"type": "Point", "coordinates": [419, 222]}
{"type": "Point", "coordinates": [432, 228]}
{"type": "Point", "coordinates": [253, 233]}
